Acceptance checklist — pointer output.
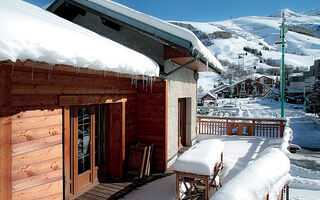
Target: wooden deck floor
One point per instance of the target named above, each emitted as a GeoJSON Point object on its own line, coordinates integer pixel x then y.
{"type": "Point", "coordinates": [116, 190]}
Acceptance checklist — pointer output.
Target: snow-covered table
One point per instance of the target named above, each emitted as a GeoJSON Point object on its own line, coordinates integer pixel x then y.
{"type": "Point", "coordinates": [201, 163]}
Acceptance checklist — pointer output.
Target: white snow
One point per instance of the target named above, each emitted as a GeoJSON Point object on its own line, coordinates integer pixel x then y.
{"type": "Point", "coordinates": [259, 178]}
{"type": "Point", "coordinates": [29, 32]}
{"type": "Point", "coordinates": [306, 133]}
{"type": "Point", "coordinates": [238, 152]}
{"type": "Point", "coordinates": [162, 25]}
{"type": "Point", "coordinates": [201, 158]}
{"type": "Point", "coordinates": [261, 33]}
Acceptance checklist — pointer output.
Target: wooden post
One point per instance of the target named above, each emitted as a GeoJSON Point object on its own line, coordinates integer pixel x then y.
{"type": "Point", "coordinates": [5, 134]}
{"type": "Point", "coordinates": [66, 152]}
{"type": "Point", "coordinates": [177, 185]}
{"type": "Point", "coordinates": [123, 133]}
{"type": "Point", "coordinates": [207, 188]}
{"type": "Point", "coordinates": [253, 129]}
{"type": "Point", "coordinates": [166, 127]}
{"type": "Point", "coordinates": [5, 158]}
{"type": "Point", "coordinates": [281, 129]}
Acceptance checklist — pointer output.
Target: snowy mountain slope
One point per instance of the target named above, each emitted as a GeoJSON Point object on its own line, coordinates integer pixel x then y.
{"type": "Point", "coordinates": [260, 33]}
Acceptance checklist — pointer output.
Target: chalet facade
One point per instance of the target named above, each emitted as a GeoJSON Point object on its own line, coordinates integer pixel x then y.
{"type": "Point", "coordinates": [178, 55]}
{"type": "Point", "coordinates": [248, 87]}
{"type": "Point", "coordinates": [266, 81]}
{"type": "Point", "coordinates": [66, 127]}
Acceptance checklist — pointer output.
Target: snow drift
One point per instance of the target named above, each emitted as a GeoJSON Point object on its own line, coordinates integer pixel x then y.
{"type": "Point", "coordinates": [265, 175]}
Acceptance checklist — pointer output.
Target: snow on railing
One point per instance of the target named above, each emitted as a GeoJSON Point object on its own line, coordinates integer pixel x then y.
{"type": "Point", "coordinates": [265, 176]}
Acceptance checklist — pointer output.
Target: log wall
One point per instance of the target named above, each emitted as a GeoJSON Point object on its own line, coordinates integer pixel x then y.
{"type": "Point", "coordinates": [151, 121]}
{"type": "Point", "coordinates": [37, 122]}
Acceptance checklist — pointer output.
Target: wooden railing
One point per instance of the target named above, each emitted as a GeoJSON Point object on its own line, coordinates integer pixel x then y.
{"type": "Point", "coordinates": [263, 127]}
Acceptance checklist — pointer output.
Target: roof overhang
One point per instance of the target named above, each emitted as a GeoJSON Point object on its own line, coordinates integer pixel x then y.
{"type": "Point", "coordinates": [175, 43]}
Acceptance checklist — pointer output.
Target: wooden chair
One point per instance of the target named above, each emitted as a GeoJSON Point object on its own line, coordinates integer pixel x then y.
{"type": "Point", "coordinates": [195, 184]}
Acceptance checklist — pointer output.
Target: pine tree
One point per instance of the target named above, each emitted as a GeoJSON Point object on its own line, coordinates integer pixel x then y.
{"type": "Point", "coordinates": [314, 99]}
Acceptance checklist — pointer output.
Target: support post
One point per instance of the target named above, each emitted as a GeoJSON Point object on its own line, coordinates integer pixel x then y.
{"type": "Point", "coordinates": [5, 134]}
{"type": "Point", "coordinates": [282, 66]}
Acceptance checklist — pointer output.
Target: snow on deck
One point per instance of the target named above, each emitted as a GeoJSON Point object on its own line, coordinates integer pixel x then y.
{"type": "Point", "coordinates": [162, 25]}
{"type": "Point", "coordinates": [29, 32]}
{"type": "Point", "coordinates": [238, 152]}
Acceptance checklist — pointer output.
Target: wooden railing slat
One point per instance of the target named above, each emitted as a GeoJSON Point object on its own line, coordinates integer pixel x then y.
{"type": "Point", "coordinates": [269, 128]}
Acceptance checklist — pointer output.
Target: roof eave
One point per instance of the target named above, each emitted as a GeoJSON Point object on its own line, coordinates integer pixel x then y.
{"type": "Point", "coordinates": [153, 32]}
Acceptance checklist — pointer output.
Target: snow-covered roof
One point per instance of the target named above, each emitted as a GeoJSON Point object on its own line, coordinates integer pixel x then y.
{"type": "Point", "coordinates": [218, 89]}
{"type": "Point", "coordinates": [29, 32]}
{"type": "Point", "coordinates": [149, 24]}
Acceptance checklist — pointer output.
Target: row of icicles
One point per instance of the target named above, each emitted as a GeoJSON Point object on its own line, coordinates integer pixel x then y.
{"type": "Point", "coordinates": [146, 81]}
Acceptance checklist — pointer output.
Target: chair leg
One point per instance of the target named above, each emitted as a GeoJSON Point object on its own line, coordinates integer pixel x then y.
{"type": "Point", "coordinates": [187, 188]}
{"type": "Point", "coordinates": [178, 186]}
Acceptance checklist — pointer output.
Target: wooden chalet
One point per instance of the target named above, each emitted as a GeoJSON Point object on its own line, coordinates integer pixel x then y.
{"type": "Point", "coordinates": [208, 96]}
{"type": "Point", "coordinates": [64, 128]}
{"type": "Point", "coordinates": [266, 80]}
{"type": "Point", "coordinates": [249, 87]}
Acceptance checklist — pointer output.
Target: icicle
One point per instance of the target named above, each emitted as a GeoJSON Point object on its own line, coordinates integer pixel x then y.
{"type": "Point", "coordinates": [50, 72]}
{"type": "Point", "coordinates": [131, 80]}
{"type": "Point", "coordinates": [142, 82]}
{"type": "Point", "coordinates": [207, 65]}
{"type": "Point", "coordinates": [151, 82]}
{"type": "Point", "coordinates": [136, 81]}
{"type": "Point", "coordinates": [12, 69]}
{"type": "Point", "coordinates": [104, 74]}
{"type": "Point", "coordinates": [32, 71]}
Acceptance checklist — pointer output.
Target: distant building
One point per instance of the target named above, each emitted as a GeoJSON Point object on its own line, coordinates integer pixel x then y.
{"type": "Point", "coordinates": [304, 81]}
{"type": "Point", "coordinates": [250, 87]}
{"type": "Point", "coordinates": [266, 81]}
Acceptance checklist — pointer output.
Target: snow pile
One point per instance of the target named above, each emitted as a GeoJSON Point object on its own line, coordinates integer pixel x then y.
{"type": "Point", "coordinates": [304, 178]}
{"type": "Point", "coordinates": [29, 32]}
{"type": "Point", "coordinates": [162, 25]}
{"type": "Point", "coordinates": [287, 137]}
{"type": "Point", "coordinates": [201, 158]}
{"type": "Point", "coordinates": [266, 175]}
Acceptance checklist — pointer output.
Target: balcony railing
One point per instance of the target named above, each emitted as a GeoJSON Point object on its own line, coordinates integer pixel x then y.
{"type": "Point", "coordinates": [262, 127]}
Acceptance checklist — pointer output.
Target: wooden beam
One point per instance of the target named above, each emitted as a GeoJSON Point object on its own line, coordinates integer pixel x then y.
{"type": "Point", "coordinates": [123, 133]}
{"type": "Point", "coordinates": [5, 158]}
{"type": "Point", "coordinates": [170, 52]}
{"type": "Point", "coordinates": [5, 134]}
{"type": "Point", "coordinates": [166, 127]}
{"type": "Point", "coordinates": [66, 152]}
{"type": "Point", "coordinates": [77, 100]}
{"type": "Point", "coordinates": [71, 69]}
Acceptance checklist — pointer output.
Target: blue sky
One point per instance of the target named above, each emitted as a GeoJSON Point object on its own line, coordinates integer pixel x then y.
{"type": "Point", "coordinates": [209, 10]}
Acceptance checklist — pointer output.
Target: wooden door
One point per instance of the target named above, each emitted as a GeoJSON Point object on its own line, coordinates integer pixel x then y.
{"type": "Point", "coordinates": [83, 135]}
{"type": "Point", "coordinates": [181, 122]}
{"type": "Point", "coordinates": [88, 133]}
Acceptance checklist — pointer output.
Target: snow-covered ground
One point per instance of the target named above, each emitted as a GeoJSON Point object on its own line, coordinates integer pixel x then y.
{"type": "Point", "coordinates": [305, 166]}
{"type": "Point", "coordinates": [261, 34]}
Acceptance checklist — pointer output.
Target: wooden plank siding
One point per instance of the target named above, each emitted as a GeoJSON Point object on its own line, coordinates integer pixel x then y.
{"type": "Point", "coordinates": [36, 157]}
{"type": "Point", "coordinates": [151, 122]}
{"type": "Point", "coordinates": [33, 104]}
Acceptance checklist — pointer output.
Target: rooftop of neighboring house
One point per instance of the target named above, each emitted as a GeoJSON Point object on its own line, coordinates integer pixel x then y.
{"type": "Point", "coordinates": [149, 25]}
